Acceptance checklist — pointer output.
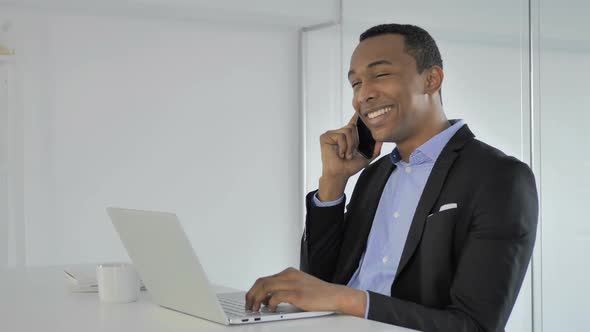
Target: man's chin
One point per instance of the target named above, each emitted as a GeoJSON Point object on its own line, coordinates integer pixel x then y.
{"type": "Point", "coordinates": [384, 136]}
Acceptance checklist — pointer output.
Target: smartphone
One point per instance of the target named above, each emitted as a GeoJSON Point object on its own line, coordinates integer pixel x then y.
{"type": "Point", "coordinates": [366, 140]}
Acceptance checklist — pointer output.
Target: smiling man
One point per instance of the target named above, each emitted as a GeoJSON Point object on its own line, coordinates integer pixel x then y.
{"type": "Point", "coordinates": [437, 235]}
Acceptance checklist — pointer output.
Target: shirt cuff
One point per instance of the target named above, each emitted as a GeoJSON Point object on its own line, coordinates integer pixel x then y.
{"type": "Point", "coordinates": [318, 203]}
{"type": "Point", "coordinates": [367, 309]}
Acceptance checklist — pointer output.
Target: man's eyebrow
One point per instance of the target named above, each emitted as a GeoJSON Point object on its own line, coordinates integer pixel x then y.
{"type": "Point", "coordinates": [373, 64]}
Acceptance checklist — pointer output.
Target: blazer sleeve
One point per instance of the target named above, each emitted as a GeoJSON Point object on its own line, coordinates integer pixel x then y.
{"type": "Point", "coordinates": [322, 238]}
{"type": "Point", "coordinates": [491, 265]}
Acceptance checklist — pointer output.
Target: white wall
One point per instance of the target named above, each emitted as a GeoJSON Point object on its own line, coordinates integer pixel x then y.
{"type": "Point", "coordinates": [4, 193]}
{"type": "Point", "coordinates": [197, 118]}
{"type": "Point", "coordinates": [322, 98]}
{"type": "Point", "coordinates": [12, 226]}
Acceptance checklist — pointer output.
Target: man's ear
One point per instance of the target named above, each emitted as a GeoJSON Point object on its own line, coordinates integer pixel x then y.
{"type": "Point", "coordinates": [434, 79]}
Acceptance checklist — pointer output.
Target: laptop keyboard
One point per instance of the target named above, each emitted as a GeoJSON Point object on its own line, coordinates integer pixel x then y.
{"type": "Point", "coordinates": [237, 308]}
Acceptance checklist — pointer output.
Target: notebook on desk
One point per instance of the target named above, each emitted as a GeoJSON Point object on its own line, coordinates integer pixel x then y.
{"type": "Point", "coordinates": [82, 278]}
{"type": "Point", "coordinates": [171, 271]}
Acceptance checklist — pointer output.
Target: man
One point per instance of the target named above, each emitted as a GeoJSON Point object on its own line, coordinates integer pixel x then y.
{"type": "Point", "coordinates": [437, 235]}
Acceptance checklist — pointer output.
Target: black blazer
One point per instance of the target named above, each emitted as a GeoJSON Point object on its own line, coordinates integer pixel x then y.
{"type": "Point", "coordinates": [461, 269]}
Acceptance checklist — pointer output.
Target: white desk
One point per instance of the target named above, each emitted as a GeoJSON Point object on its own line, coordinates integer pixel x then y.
{"type": "Point", "coordinates": [37, 299]}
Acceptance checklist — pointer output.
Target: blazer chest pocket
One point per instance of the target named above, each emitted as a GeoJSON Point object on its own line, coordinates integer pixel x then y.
{"type": "Point", "coordinates": [435, 254]}
{"type": "Point", "coordinates": [442, 215]}
{"type": "Point", "coordinates": [439, 229]}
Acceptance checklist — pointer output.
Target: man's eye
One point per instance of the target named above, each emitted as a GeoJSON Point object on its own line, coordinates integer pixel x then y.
{"type": "Point", "coordinates": [355, 84]}
{"type": "Point", "coordinates": [382, 74]}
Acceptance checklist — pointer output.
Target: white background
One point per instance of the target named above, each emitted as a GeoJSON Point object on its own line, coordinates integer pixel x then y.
{"type": "Point", "coordinates": [203, 108]}
{"type": "Point", "coordinates": [190, 115]}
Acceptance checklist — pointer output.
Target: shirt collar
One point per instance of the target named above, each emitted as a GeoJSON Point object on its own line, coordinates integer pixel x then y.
{"type": "Point", "coordinates": [431, 149]}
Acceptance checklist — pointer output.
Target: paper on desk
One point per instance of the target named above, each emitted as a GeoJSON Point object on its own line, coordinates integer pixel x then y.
{"type": "Point", "coordinates": [82, 279]}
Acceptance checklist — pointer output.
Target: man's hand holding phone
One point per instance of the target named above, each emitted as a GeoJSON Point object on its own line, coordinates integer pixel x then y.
{"type": "Point", "coordinates": [341, 158]}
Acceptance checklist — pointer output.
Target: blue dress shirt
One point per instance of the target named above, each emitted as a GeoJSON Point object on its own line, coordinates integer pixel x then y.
{"type": "Point", "coordinates": [379, 263]}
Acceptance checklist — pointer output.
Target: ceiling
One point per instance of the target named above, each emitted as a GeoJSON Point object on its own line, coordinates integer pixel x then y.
{"type": "Point", "coordinates": [295, 13]}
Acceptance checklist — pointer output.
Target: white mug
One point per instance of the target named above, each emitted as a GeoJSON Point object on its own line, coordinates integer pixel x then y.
{"type": "Point", "coordinates": [117, 283]}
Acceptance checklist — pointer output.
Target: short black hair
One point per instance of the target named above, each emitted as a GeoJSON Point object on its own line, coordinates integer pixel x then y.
{"type": "Point", "coordinates": [418, 43]}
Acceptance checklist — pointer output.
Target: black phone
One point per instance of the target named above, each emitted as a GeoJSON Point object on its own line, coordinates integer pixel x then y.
{"type": "Point", "coordinates": [366, 140]}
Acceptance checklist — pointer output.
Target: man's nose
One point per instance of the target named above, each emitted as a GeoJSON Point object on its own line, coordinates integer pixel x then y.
{"type": "Point", "coordinates": [366, 93]}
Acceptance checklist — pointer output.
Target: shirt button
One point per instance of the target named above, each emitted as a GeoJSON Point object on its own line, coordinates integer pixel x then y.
{"type": "Point", "coordinates": [385, 259]}
{"type": "Point", "coordinates": [408, 169]}
{"type": "Point", "coordinates": [396, 214]}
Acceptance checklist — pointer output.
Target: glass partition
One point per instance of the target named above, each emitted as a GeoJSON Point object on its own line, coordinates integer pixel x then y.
{"type": "Point", "coordinates": [563, 131]}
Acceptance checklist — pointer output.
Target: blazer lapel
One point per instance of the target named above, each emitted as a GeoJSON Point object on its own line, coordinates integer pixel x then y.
{"type": "Point", "coordinates": [357, 234]}
{"type": "Point", "coordinates": [431, 192]}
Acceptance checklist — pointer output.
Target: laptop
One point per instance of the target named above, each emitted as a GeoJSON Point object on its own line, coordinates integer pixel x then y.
{"type": "Point", "coordinates": [172, 273]}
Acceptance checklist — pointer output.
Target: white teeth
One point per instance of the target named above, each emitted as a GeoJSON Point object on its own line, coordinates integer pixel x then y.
{"type": "Point", "coordinates": [379, 112]}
